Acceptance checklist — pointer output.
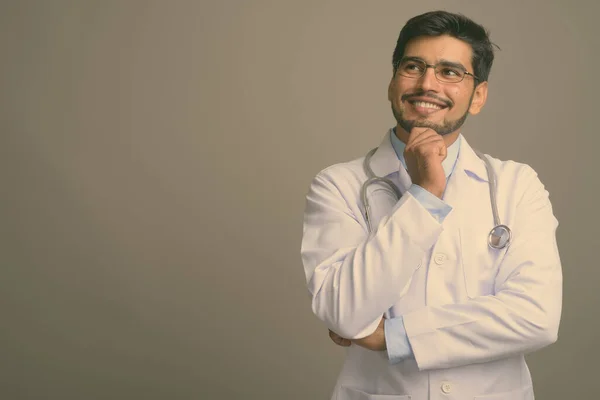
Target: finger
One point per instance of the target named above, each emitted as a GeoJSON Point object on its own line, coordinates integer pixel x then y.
{"type": "Point", "coordinates": [430, 134]}
{"type": "Point", "coordinates": [419, 132]}
{"type": "Point", "coordinates": [424, 145]}
{"type": "Point", "coordinates": [426, 139]}
{"type": "Point", "coordinates": [444, 151]}
{"type": "Point", "coordinates": [337, 339]}
{"type": "Point", "coordinates": [334, 336]}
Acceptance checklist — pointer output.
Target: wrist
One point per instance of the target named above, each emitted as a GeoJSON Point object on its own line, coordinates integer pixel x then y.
{"type": "Point", "coordinates": [433, 189]}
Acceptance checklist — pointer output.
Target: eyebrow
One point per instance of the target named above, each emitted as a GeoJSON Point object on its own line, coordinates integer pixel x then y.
{"type": "Point", "coordinates": [443, 62]}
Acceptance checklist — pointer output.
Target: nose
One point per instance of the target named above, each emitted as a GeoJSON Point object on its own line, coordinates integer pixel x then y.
{"type": "Point", "coordinates": [428, 80]}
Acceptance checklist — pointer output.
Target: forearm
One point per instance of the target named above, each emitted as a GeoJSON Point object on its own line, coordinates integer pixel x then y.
{"type": "Point", "coordinates": [354, 276]}
{"type": "Point", "coordinates": [520, 315]}
{"type": "Point", "coordinates": [523, 316]}
{"type": "Point", "coordinates": [353, 287]}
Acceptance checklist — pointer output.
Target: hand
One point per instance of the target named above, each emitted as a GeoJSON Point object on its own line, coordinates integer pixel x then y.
{"type": "Point", "coordinates": [337, 339]}
{"type": "Point", "coordinates": [425, 150]}
{"type": "Point", "coordinates": [375, 341]}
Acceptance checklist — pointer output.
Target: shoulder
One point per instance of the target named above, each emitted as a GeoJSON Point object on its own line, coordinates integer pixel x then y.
{"type": "Point", "coordinates": [511, 168]}
{"type": "Point", "coordinates": [341, 174]}
{"type": "Point", "coordinates": [504, 170]}
{"type": "Point", "coordinates": [517, 179]}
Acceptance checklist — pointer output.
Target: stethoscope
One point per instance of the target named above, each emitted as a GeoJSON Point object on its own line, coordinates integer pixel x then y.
{"type": "Point", "coordinates": [498, 238]}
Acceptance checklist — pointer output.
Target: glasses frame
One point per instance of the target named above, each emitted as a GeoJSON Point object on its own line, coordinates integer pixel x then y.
{"type": "Point", "coordinates": [435, 72]}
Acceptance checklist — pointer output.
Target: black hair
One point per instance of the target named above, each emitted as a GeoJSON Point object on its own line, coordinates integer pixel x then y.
{"type": "Point", "coordinates": [437, 23]}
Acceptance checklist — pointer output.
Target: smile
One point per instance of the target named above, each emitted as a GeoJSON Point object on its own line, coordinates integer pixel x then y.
{"type": "Point", "coordinates": [425, 107]}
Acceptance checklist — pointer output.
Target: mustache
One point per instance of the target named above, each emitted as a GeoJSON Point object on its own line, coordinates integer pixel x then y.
{"type": "Point", "coordinates": [429, 95]}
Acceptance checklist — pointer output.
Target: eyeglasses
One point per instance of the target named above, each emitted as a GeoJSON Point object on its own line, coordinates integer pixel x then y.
{"type": "Point", "coordinates": [444, 71]}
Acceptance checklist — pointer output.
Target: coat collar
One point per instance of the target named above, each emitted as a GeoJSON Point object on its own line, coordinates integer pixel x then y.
{"type": "Point", "coordinates": [385, 161]}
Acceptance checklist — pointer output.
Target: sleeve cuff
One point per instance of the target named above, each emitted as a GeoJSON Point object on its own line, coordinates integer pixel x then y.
{"type": "Point", "coordinates": [438, 208]}
{"type": "Point", "coordinates": [396, 340]}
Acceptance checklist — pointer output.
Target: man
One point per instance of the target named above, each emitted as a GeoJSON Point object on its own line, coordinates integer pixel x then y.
{"type": "Point", "coordinates": [428, 302]}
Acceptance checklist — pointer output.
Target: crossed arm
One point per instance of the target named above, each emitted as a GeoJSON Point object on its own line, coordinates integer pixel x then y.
{"type": "Point", "coordinates": [351, 299]}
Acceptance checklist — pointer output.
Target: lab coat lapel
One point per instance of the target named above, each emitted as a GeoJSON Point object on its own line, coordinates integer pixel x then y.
{"type": "Point", "coordinates": [466, 192]}
{"type": "Point", "coordinates": [469, 172]}
{"type": "Point", "coordinates": [385, 162]}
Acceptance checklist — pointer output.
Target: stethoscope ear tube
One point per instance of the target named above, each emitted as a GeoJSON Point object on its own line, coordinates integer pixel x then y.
{"type": "Point", "coordinates": [363, 191]}
{"type": "Point", "coordinates": [372, 179]}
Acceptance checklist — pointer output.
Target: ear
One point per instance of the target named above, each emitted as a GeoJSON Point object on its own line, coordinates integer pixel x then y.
{"type": "Point", "coordinates": [391, 87]}
{"type": "Point", "coordinates": [479, 98]}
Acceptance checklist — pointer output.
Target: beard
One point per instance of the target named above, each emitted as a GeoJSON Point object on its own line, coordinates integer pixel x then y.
{"type": "Point", "coordinates": [442, 129]}
{"type": "Point", "coordinates": [445, 128]}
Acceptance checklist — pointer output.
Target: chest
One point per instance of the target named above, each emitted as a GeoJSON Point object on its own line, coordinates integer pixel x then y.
{"type": "Point", "coordinates": [460, 265]}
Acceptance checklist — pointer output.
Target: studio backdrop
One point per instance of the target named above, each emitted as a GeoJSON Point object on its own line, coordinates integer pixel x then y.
{"type": "Point", "coordinates": [155, 157]}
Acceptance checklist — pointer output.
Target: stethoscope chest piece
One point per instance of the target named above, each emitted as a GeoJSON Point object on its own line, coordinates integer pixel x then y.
{"type": "Point", "coordinates": [499, 237]}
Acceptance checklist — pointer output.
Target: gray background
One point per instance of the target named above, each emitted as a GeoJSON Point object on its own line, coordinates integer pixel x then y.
{"type": "Point", "coordinates": [155, 156]}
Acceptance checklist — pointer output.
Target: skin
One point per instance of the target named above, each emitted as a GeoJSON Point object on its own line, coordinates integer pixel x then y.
{"type": "Point", "coordinates": [426, 149]}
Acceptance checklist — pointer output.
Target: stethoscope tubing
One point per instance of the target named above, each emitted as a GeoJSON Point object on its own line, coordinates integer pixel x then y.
{"type": "Point", "coordinates": [502, 241]}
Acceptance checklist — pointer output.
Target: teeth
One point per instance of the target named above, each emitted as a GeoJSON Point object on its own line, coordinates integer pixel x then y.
{"type": "Point", "coordinates": [427, 105]}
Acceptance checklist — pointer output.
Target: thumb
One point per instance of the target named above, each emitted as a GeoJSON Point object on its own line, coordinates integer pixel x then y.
{"type": "Point", "coordinates": [443, 151]}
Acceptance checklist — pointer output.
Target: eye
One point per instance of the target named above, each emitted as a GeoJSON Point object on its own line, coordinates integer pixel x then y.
{"type": "Point", "coordinates": [451, 72]}
{"type": "Point", "coordinates": [411, 67]}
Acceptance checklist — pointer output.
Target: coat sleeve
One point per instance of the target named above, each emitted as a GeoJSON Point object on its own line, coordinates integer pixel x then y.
{"type": "Point", "coordinates": [354, 277]}
{"type": "Point", "coordinates": [524, 313]}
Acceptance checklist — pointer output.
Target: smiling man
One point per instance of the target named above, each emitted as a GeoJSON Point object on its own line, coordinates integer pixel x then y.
{"type": "Point", "coordinates": [434, 265]}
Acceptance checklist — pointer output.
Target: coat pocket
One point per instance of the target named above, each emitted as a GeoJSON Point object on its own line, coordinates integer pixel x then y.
{"type": "Point", "coordinates": [519, 394]}
{"type": "Point", "coordinates": [347, 393]}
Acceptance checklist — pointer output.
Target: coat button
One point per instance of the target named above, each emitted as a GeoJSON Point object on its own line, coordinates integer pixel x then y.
{"type": "Point", "coordinates": [446, 387]}
{"type": "Point", "coordinates": [439, 258]}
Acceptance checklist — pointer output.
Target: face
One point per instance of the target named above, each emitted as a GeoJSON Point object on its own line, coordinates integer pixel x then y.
{"type": "Point", "coordinates": [427, 102]}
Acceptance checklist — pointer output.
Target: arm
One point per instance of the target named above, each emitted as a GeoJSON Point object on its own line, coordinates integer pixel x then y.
{"type": "Point", "coordinates": [522, 316]}
{"type": "Point", "coordinates": [395, 339]}
{"type": "Point", "coordinates": [391, 335]}
{"type": "Point", "coordinates": [353, 277]}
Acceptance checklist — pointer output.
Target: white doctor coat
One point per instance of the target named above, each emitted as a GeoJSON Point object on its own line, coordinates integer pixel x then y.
{"type": "Point", "coordinates": [471, 313]}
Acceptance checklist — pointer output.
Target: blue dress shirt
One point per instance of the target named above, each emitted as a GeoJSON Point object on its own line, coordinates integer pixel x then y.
{"type": "Point", "coordinates": [397, 343]}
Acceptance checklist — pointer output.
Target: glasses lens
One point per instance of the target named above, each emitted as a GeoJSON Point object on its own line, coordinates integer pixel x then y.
{"type": "Point", "coordinates": [444, 73]}
{"type": "Point", "coordinates": [449, 74]}
{"type": "Point", "coordinates": [412, 68]}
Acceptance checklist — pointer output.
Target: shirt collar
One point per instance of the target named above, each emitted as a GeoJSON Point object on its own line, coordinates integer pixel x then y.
{"type": "Point", "coordinates": [449, 163]}
{"type": "Point", "coordinates": [385, 161]}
